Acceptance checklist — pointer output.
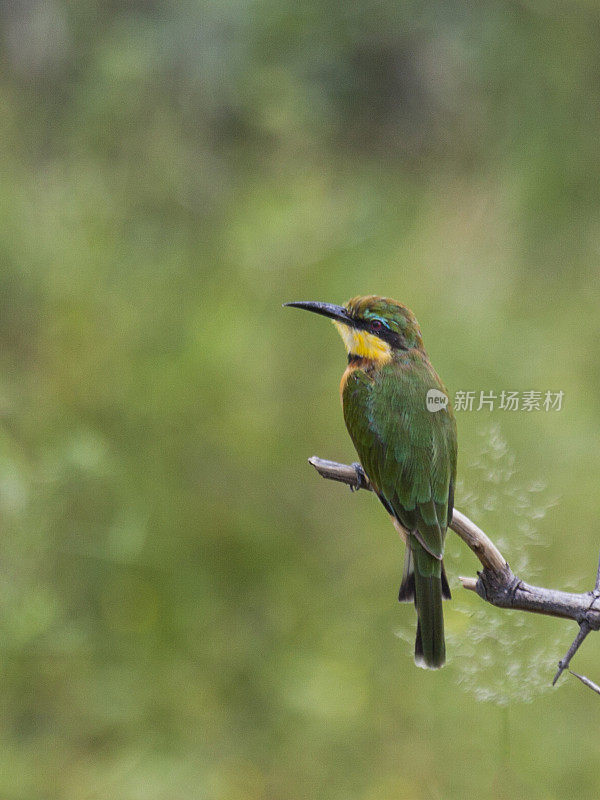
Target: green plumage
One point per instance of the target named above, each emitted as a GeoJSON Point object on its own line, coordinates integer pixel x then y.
{"type": "Point", "coordinates": [408, 451]}
{"type": "Point", "coordinates": [409, 454]}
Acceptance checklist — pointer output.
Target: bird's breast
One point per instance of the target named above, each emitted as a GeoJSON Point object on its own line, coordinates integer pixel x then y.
{"type": "Point", "coordinates": [354, 363]}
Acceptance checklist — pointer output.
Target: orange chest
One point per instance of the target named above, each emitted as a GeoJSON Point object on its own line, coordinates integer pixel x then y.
{"type": "Point", "coordinates": [347, 372]}
{"type": "Point", "coordinates": [357, 363]}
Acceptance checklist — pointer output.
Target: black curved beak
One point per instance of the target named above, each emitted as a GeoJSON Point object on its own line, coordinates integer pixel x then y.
{"type": "Point", "coordinates": [338, 313]}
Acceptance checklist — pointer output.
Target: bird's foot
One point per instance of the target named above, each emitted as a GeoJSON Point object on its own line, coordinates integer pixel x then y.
{"type": "Point", "coordinates": [360, 476]}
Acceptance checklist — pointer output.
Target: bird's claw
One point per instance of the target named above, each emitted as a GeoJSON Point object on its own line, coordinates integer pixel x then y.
{"type": "Point", "coordinates": [360, 474]}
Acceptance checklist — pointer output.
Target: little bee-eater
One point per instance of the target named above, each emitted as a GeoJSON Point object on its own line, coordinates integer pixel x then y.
{"type": "Point", "coordinates": [402, 426]}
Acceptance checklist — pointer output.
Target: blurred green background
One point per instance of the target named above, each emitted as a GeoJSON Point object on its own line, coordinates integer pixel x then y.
{"type": "Point", "coordinates": [186, 610]}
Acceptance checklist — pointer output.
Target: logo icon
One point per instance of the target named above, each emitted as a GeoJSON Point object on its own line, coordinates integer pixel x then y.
{"type": "Point", "coordinates": [436, 400]}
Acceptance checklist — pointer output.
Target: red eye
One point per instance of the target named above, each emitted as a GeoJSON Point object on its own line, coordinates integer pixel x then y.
{"type": "Point", "coordinates": [376, 326]}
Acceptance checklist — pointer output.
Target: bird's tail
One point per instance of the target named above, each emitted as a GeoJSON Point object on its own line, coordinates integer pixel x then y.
{"type": "Point", "coordinates": [425, 582]}
{"type": "Point", "coordinates": [407, 587]}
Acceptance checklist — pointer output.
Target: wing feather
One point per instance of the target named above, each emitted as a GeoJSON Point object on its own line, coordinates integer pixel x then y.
{"type": "Point", "coordinates": [408, 452]}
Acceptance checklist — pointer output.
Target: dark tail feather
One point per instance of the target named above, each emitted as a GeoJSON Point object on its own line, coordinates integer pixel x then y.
{"type": "Point", "coordinates": [407, 587]}
{"type": "Point", "coordinates": [430, 648]}
{"type": "Point", "coordinates": [445, 585]}
{"type": "Point", "coordinates": [419, 657]}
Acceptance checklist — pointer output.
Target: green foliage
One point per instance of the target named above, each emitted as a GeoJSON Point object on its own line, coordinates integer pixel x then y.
{"type": "Point", "coordinates": [187, 612]}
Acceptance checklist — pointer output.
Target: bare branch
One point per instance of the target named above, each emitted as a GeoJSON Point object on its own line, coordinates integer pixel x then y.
{"type": "Point", "coordinates": [344, 473]}
{"type": "Point", "coordinates": [353, 474]}
{"type": "Point", "coordinates": [483, 547]}
{"type": "Point", "coordinates": [496, 582]}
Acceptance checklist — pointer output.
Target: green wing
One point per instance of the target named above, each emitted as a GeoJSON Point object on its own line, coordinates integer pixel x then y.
{"type": "Point", "coordinates": [408, 452]}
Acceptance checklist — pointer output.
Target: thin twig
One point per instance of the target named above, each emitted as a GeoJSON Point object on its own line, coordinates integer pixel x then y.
{"type": "Point", "coordinates": [496, 582]}
{"type": "Point", "coordinates": [563, 664]}
{"type": "Point", "coordinates": [584, 629]}
{"type": "Point", "coordinates": [593, 686]}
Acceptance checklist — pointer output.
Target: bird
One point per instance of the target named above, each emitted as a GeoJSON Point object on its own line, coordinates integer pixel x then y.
{"type": "Point", "coordinates": [400, 419]}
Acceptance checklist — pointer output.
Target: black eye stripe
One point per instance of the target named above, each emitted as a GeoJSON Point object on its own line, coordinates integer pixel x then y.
{"type": "Point", "coordinates": [391, 337]}
{"type": "Point", "coordinates": [367, 324]}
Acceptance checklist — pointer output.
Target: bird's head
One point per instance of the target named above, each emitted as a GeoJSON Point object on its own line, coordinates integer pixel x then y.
{"type": "Point", "coordinates": [372, 327]}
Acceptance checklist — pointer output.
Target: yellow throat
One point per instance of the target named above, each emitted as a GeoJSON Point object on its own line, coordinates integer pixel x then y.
{"type": "Point", "coordinates": [364, 344]}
